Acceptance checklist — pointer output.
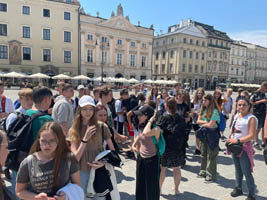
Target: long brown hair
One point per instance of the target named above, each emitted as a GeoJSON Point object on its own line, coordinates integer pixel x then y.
{"type": "Point", "coordinates": [218, 102]}
{"type": "Point", "coordinates": [195, 100]}
{"type": "Point", "coordinates": [210, 108]}
{"type": "Point", "coordinates": [75, 130]}
{"type": "Point", "coordinates": [61, 151]}
{"type": "Point", "coordinates": [186, 97]}
{"type": "Point", "coordinates": [150, 97]}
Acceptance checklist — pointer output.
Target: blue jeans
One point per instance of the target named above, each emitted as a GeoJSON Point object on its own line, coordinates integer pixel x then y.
{"type": "Point", "coordinates": [242, 167]}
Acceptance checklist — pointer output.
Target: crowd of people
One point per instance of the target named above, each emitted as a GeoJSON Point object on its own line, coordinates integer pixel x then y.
{"type": "Point", "coordinates": [59, 146]}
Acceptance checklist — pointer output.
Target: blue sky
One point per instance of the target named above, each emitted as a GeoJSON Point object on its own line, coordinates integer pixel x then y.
{"type": "Point", "coordinates": [242, 19]}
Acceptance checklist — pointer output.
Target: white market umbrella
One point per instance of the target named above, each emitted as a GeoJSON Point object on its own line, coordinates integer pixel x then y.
{"type": "Point", "coordinates": [110, 79]}
{"type": "Point", "coordinates": [133, 80]}
{"type": "Point", "coordinates": [61, 76]}
{"type": "Point", "coordinates": [122, 80]}
{"type": "Point", "coordinates": [149, 81]}
{"type": "Point", "coordinates": [98, 78]}
{"type": "Point", "coordinates": [14, 75]}
{"type": "Point", "coordinates": [81, 77]}
{"type": "Point", "coordinates": [39, 75]}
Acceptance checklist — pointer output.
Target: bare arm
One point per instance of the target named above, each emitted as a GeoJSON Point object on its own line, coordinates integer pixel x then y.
{"type": "Point", "coordinates": [110, 144]}
{"type": "Point", "coordinates": [77, 149]}
{"type": "Point", "coordinates": [151, 132]}
{"type": "Point", "coordinates": [23, 193]}
{"type": "Point", "coordinates": [75, 178]}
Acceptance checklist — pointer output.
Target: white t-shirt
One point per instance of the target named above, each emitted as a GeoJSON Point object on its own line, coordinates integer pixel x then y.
{"type": "Point", "coordinates": [118, 108]}
{"type": "Point", "coordinates": [241, 126]}
{"type": "Point", "coordinates": [9, 106]}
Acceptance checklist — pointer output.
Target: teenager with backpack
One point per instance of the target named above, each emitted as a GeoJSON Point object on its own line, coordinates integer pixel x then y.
{"type": "Point", "coordinates": [25, 98]}
{"type": "Point", "coordinates": [6, 104]}
{"type": "Point", "coordinates": [174, 131]}
{"type": "Point", "coordinates": [147, 166]}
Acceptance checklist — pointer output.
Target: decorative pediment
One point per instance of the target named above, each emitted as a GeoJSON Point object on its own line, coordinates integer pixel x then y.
{"type": "Point", "coordinates": [119, 22]}
{"type": "Point", "coordinates": [191, 30]}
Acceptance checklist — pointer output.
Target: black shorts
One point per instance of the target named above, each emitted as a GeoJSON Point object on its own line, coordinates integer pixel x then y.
{"type": "Point", "coordinates": [195, 127]}
{"type": "Point", "coordinates": [261, 120]}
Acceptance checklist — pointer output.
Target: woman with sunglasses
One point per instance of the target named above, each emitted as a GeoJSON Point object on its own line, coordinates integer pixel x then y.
{"type": "Point", "coordinates": [87, 138]}
{"type": "Point", "coordinates": [49, 167]}
{"type": "Point", "coordinates": [242, 132]}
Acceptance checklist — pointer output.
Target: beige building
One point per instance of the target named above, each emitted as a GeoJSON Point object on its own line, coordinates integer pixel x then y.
{"type": "Point", "coordinates": [238, 63]}
{"type": "Point", "coordinates": [39, 36]}
{"type": "Point", "coordinates": [219, 45]}
{"type": "Point", "coordinates": [181, 55]}
{"type": "Point", "coordinates": [115, 47]}
{"type": "Point", "coordinates": [256, 71]}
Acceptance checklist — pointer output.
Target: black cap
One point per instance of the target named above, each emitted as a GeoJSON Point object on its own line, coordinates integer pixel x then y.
{"type": "Point", "coordinates": [145, 110]}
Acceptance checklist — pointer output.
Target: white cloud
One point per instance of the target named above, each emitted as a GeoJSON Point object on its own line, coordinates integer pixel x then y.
{"type": "Point", "coordinates": [258, 37]}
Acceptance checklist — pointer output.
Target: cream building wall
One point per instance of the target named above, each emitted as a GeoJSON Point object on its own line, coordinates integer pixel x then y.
{"type": "Point", "coordinates": [185, 49]}
{"type": "Point", "coordinates": [122, 41]}
{"type": "Point", "coordinates": [15, 20]}
{"type": "Point", "coordinates": [238, 63]}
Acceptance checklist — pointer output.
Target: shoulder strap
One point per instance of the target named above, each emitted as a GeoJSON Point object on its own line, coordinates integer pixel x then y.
{"type": "Point", "coordinates": [102, 128]}
{"type": "Point", "coordinates": [3, 103]}
{"type": "Point", "coordinates": [39, 114]}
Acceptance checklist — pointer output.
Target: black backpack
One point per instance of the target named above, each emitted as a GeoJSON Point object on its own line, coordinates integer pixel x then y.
{"type": "Point", "coordinates": [19, 134]}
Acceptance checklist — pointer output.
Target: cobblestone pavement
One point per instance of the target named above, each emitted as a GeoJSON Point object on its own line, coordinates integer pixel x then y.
{"type": "Point", "coordinates": [191, 187]}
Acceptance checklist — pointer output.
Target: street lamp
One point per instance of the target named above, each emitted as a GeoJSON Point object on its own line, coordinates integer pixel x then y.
{"type": "Point", "coordinates": [102, 46]}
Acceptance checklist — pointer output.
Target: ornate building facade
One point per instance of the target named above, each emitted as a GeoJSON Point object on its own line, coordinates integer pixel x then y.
{"type": "Point", "coordinates": [39, 36]}
{"type": "Point", "coordinates": [114, 47]}
{"type": "Point", "coordinates": [181, 55]}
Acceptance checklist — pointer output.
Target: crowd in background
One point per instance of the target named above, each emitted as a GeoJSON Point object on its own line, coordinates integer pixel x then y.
{"type": "Point", "coordinates": [72, 144]}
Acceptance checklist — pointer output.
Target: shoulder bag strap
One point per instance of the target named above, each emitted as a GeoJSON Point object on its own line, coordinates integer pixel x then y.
{"type": "Point", "coordinates": [102, 128]}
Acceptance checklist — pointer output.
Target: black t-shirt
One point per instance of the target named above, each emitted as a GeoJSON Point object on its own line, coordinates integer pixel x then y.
{"type": "Point", "coordinates": [111, 106]}
{"type": "Point", "coordinates": [259, 109]}
{"type": "Point", "coordinates": [182, 109]}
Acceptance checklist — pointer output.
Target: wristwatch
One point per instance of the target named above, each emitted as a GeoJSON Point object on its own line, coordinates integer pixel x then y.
{"type": "Point", "coordinates": [238, 141]}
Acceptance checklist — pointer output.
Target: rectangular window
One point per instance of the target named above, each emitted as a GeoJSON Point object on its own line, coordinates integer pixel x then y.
{"type": "Point", "coordinates": [132, 44]}
{"type": "Point", "coordinates": [25, 10]}
{"type": "Point", "coordinates": [68, 1]}
{"type": "Point", "coordinates": [3, 29]}
{"type": "Point", "coordinates": [196, 68]}
{"type": "Point", "coordinates": [171, 68]}
{"type": "Point", "coordinates": [46, 34]}
{"type": "Point", "coordinates": [119, 59]}
{"type": "Point", "coordinates": [46, 12]}
{"type": "Point", "coordinates": [26, 53]}
{"type": "Point", "coordinates": [163, 68]}
{"type": "Point", "coordinates": [184, 53]}
{"type": "Point", "coordinates": [190, 68]}
{"type": "Point", "coordinates": [163, 55]}
{"type": "Point", "coordinates": [143, 64]}
{"type": "Point", "coordinates": [156, 68]}
{"type": "Point", "coordinates": [144, 45]}
{"type": "Point", "coordinates": [197, 42]}
{"type": "Point", "coordinates": [3, 52]}
{"type": "Point", "coordinates": [90, 55]}
{"type": "Point", "coordinates": [3, 7]}
{"type": "Point", "coordinates": [191, 54]}
{"type": "Point", "coordinates": [89, 37]}
{"type": "Point", "coordinates": [26, 32]}
{"type": "Point", "coordinates": [196, 55]}
{"type": "Point", "coordinates": [66, 15]}
{"type": "Point", "coordinates": [67, 36]}
{"type": "Point", "coordinates": [172, 53]}
{"type": "Point", "coordinates": [104, 57]}
{"type": "Point", "coordinates": [46, 55]}
{"type": "Point", "coordinates": [203, 43]}
{"type": "Point", "coordinates": [183, 68]}
{"type": "Point", "coordinates": [132, 61]}
{"type": "Point", "coordinates": [203, 56]}
{"type": "Point", "coordinates": [119, 42]}
{"type": "Point", "coordinates": [104, 39]}
{"type": "Point", "coordinates": [191, 41]}
{"type": "Point", "coordinates": [184, 40]}
{"type": "Point", "coordinates": [67, 56]}
{"type": "Point", "coordinates": [157, 55]}
{"type": "Point", "coordinates": [202, 69]}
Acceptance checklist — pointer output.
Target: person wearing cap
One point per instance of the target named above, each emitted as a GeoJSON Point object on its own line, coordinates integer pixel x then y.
{"type": "Point", "coordinates": [147, 166]}
{"type": "Point", "coordinates": [87, 135]}
{"type": "Point", "coordinates": [62, 111]}
{"type": "Point", "coordinates": [80, 89]}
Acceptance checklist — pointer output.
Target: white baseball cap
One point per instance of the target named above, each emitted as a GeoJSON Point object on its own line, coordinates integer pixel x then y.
{"type": "Point", "coordinates": [86, 100]}
{"type": "Point", "coordinates": [80, 87]}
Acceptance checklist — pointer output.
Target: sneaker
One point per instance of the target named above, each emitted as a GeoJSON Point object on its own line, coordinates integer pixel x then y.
{"type": "Point", "coordinates": [236, 192]}
{"type": "Point", "coordinates": [257, 146]}
{"type": "Point", "coordinates": [209, 180]}
{"type": "Point", "coordinates": [201, 175]}
{"type": "Point", "coordinates": [251, 197]}
{"type": "Point", "coordinates": [197, 152]}
{"type": "Point", "coordinates": [263, 145]}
